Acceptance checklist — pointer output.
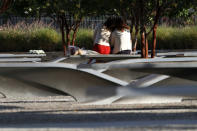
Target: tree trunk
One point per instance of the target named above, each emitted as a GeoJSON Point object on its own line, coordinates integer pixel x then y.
{"type": "Point", "coordinates": [5, 5]}
{"type": "Point", "coordinates": [154, 41]}
{"type": "Point", "coordinates": [142, 28]}
{"type": "Point", "coordinates": [136, 40]}
{"type": "Point", "coordinates": [157, 16]}
{"type": "Point", "coordinates": [131, 30]}
{"type": "Point", "coordinates": [68, 39]}
{"type": "Point", "coordinates": [135, 45]}
{"type": "Point", "coordinates": [68, 30]}
{"type": "Point", "coordinates": [63, 34]}
{"type": "Point", "coordinates": [75, 31]}
{"type": "Point", "coordinates": [146, 48]}
{"type": "Point", "coordinates": [143, 44]}
{"type": "Point", "coordinates": [74, 37]}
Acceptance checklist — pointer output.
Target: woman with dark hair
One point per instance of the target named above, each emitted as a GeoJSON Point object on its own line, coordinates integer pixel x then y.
{"type": "Point", "coordinates": [120, 37]}
{"type": "Point", "coordinates": [101, 37]}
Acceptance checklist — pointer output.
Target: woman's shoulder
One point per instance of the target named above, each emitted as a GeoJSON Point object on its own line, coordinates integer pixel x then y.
{"type": "Point", "coordinates": [127, 30]}
{"type": "Point", "coordinates": [121, 31]}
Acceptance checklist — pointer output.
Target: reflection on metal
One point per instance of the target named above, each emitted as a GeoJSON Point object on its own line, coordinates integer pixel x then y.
{"type": "Point", "coordinates": [2, 95]}
{"type": "Point", "coordinates": [185, 70]}
{"type": "Point", "coordinates": [135, 57]}
{"type": "Point", "coordinates": [155, 94]}
{"type": "Point", "coordinates": [178, 54]}
{"type": "Point", "coordinates": [42, 79]}
{"type": "Point", "coordinates": [125, 63]}
{"type": "Point", "coordinates": [151, 99]}
{"type": "Point", "coordinates": [118, 80]}
{"type": "Point", "coordinates": [20, 59]}
{"type": "Point", "coordinates": [61, 59]}
{"type": "Point", "coordinates": [112, 57]}
{"type": "Point", "coordinates": [148, 80]}
{"type": "Point", "coordinates": [182, 91]}
{"type": "Point", "coordinates": [21, 55]}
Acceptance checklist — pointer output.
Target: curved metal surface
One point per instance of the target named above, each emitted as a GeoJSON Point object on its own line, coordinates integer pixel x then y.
{"type": "Point", "coordinates": [177, 67]}
{"type": "Point", "coordinates": [125, 74]}
{"type": "Point", "coordinates": [185, 70]}
{"type": "Point", "coordinates": [16, 87]}
{"type": "Point", "coordinates": [21, 55]}
{"type": "Point", "coordinates": [34, 79]}
{"type": "Point", "coordinates": [145, 77]}
{"type": "Point", "coordinates": [20, 59]}
{"type": "Point", "coordinates": [28, 79]}
{"type": "Point", "coordinates": [142, 60]}
{"type": "Point", "coordinates": [164, 90]}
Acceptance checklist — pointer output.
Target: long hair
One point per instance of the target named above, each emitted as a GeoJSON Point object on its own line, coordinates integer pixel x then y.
{"type": "Point", "coordinates": [120, 24]}
{"type": "Point", "coordinates": [109, 23]}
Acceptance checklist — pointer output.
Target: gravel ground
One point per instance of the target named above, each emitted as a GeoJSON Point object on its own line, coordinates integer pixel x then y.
{"type": "Point", "coordinates": [62, 112]}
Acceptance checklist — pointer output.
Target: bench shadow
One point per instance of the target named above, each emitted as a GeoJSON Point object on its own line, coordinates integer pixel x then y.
{"type": "Point", "coordinates": [52, 119]}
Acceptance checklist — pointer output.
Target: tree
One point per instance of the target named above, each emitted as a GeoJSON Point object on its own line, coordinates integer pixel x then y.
{"type": "Point", "coordinates": [69, 14]}
{"type": "Point", "coordinates": [173, 8]}
{"type": "Point", "coordinates": [5, 4]}
{"type": "Point", "coordinates": [145, 15]}
{"type": "Point", "coordinates": [28, 8]}
{"type": "Point", "coordinates": [182, 11]}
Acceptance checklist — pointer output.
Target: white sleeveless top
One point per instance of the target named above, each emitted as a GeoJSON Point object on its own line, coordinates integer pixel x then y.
{"type": "Point", "coordinates": [101, 35]}
{"type": "Point", "coordinates": [121, 40]}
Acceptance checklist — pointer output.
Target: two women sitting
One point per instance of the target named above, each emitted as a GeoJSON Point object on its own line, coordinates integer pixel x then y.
{"type": "Point", "coordinates": [113, 37]}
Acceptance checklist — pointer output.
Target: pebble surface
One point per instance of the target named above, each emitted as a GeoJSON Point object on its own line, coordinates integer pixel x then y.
{"type": "Point", "coordinates": [62, 112]}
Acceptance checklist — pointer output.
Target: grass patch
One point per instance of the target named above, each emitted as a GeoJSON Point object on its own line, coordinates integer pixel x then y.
{"type": "Point", "coordinates": [177, 38]}
{"type": "Point", "coordinates": [85, 38]}
{"type": "Point", "coordinates": [23, 37]}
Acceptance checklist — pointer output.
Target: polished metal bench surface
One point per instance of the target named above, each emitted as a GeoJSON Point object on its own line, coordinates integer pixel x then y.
{"type": "Point", "coordinates": [20, 59]}
{"type": "Point", "coordinates": [20, 55]}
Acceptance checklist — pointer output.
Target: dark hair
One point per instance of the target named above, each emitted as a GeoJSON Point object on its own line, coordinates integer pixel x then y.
{"type": "Point", "coordinates": [120, 24]}
{"type": "Point", "coordinates": [109, 23]}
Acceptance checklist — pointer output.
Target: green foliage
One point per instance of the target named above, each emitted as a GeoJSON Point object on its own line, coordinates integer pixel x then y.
{"type": "Point", "coordinates": [44, 38]}
{"type": "Point", "coordinates": [25, 37]}
{"type": "Point", "coordinates": [141, 13]}
{"type": "Point", "coordinates": [27, 8]}
{"type": "Point", "coordinates": [177, 38]}
{"type": "Point", "coordinates": [174, 38]}
{"type": "Point", "coordinates": [85, 38]}
{"type": "Point", "coordinates": [182, 10]}
{"type": "Point", "coordinates": [48, 39]}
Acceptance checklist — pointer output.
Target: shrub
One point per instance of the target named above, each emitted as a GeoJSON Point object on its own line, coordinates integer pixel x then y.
{"type": "Point", "coordinates": [177, 38]}
{"type": "Point", "coordinates": [44, 38]}
{"type": "Point", "coordinates": [23, 37]}
{"type": "Point", "coordinates": [85, 38]}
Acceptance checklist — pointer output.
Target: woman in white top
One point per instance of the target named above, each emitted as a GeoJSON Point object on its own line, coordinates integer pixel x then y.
{"type": "Point", "coordinates": [101, 37]}
{"type": "Point", "coordinates": [120, 38]}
